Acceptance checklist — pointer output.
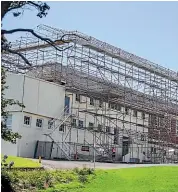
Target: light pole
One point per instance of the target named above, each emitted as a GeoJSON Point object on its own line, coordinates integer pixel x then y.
{"type": "Point", "coordinates": [94, 152]}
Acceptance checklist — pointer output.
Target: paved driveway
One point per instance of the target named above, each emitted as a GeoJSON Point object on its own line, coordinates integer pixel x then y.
{"type": "Point", "coordinates": [51, 164]}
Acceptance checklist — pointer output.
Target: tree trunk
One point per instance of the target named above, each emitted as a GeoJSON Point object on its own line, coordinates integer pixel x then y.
{"type": "Point", "coordinates": [4, 8]}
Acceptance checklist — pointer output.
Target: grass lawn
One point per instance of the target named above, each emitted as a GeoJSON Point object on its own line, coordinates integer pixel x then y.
{"type": "Point", "coordinates": [22, 162]}
{"type": "Point", "coordinates": [150, 179]}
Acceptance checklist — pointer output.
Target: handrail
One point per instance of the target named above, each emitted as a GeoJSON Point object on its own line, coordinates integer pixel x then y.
{"type": "Point", "coordinates": [64, 151]}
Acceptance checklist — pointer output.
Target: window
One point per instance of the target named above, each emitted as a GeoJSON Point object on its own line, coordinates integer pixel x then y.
{"type": "Point", "coordinates": [115, 131]}
{"type": "Point", "coordinates": [50, 124]}
{"type": "Point", "coordinates": [99, 127]}
{"type": "Point", "coordinates": [91, 125]}
{"type": "Point", "coordinates": [39, 123]}
{"type": "Point", "coordinates": [115, 106]}
{"type": "Point", "coordinates": [119, 107]}
{"type": "Point", "coordinates": [27, 120]}
{"type": "Point", "coordinates": [100, 103]}
{"type": "Point", "coordinates": [9, 122]}
{"type": "Point", "coordinates": [61, 128]}
{"type": "Point", "coordinates": [74, 123]}
{"type": "Point", "coordinates": [165, 153]}
{"type": "Point", "coordinates": [126, 110]}
{"type": "Point", "coordinates": [142, 138]}
{"type": "Point", "coordinates": [77, 98]}
{"type": "Point", "coordinates": [143, 115]}
{"type": "Point", "coordinates": [112, 105]}
{"type": "Point", "coordinates": [80, 124]}
{"type": "Point", "coordinates": [67, 104]}
{"type": "Point", "coordinates": [134, 113]}
{"type": "Point", "coordinates": [107, 129]}
{"type": "Point", "coordinates": [115, 140]}
{"type": "Point", "coordinates": [153, 150]}
{"type": "Point", "coordinates": [91, 101]}
{"type": "Point", "coordinates": [159, 121]}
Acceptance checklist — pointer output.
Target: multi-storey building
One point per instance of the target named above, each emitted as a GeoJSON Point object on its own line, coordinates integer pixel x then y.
{"type": "Point", "coordinates": [91, 100]}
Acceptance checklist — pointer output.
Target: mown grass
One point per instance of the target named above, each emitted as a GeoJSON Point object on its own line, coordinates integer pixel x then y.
{"type": "Point", "coordinates": [22, 162]}
{"type": "Point", "coordinates": [150, 179]}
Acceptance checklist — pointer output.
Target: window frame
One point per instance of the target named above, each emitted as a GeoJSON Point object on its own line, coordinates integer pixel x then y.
{"type": "Point", "coordinates": [119, 107]}
{"type": "Point", "coordinates": [108, 129]}
{"type": "Point", "coordinates": [91, 125]}
{"type": "Point", "coordinates": [99, 128]}
{"type": "Point", "coordinates": [10, 125]}
{"type": "Point", "coordinates": [30, 121]}
{"type": "Point", "coordinates": [79, 124]}
{"type": "Point", "coordinates": [100, 103]}
{"type": "Point", "coordinates": [77, 97]}
{"type": "Point", "coordinates": [113, 106]}
{"type": "Point", "coordinates": [42, 120]}
{"type": "Point", "coordinates": [92, 101]}
{"type": "Point", "coordinates": [127, 110]}
{"type": "Point", "coordinates": [62, 128]}
{"type": "Point", "coordinates": [74, 124]}
{"type": "Point", "coordinates": [143, 115]}
{"type": "Point", "coordinates": [51, 126]}
{"type": "Point", "coordinates": [135, 113]}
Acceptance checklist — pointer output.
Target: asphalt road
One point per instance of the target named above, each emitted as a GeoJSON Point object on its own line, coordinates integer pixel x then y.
{"type": "Point", "coordinates": [51, 164]}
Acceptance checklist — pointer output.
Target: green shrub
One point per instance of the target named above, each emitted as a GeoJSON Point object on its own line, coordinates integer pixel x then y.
{"type": "Point", "coordinates": [83, 174]}
{"type": "Point", "coordinates": [6, 185]}
{"type": "Point", "coordinates": [83, 178]}
{"type": "Point", "coordinates": [84, 171]}
{"type": "Point", "coordinates": [43, 179]}
{"type": "Point", "coordinates": [76, 170]}
{"type": "Point", "coordinates": [5, 163]}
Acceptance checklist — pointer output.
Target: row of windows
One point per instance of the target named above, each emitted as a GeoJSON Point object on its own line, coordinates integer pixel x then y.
{"type": "Point", "coordinates": [28, 119]}
{"type": "Point", "coordinates": [114, 106]}
{"type": "Point", "coordinates": [74, 123]}
{"type": "Point", "coordinates": [99, 127]}
{"type": "Point", "coordinates": [40, 122]}
{"type": "Point", "coordinates": [51, 124]}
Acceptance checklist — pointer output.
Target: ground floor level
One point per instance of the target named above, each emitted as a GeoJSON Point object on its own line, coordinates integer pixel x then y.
{"type": "Point", "coordinates": [90, 152]}
{"type": "Point", "coordinates": [51, 164]}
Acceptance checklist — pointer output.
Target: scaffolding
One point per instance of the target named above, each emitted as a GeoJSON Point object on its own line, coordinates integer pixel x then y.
{"type": "Point", "coordinates": [117, 80]}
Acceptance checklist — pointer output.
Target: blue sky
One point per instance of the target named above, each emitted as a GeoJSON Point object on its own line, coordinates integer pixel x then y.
{"type": "Point", "coordinates": [147, 29]}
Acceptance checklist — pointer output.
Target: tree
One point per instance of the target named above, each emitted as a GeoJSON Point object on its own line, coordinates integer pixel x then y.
{"type": "Point", "coordinates": [6, 133]}
{"type": "Point", "coordinates": [16, 7]}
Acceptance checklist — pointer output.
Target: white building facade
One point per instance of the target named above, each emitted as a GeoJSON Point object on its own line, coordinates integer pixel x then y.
{"type": "Point", "coordinates": [56, 123]}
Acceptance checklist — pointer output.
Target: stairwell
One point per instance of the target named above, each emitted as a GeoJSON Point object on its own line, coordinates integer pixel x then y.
{"type": "Point", "coordinates": [65, 147]}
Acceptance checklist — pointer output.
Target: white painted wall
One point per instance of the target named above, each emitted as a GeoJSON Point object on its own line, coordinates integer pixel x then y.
{"type": "Point", "coordinates": [7, 147]}
{"type": "Point", "coordinates": [15, 90]}
{"type": "Point", "coordinates": [46, 100]}
{"type": "Point", "coordinates": [42, 100]}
